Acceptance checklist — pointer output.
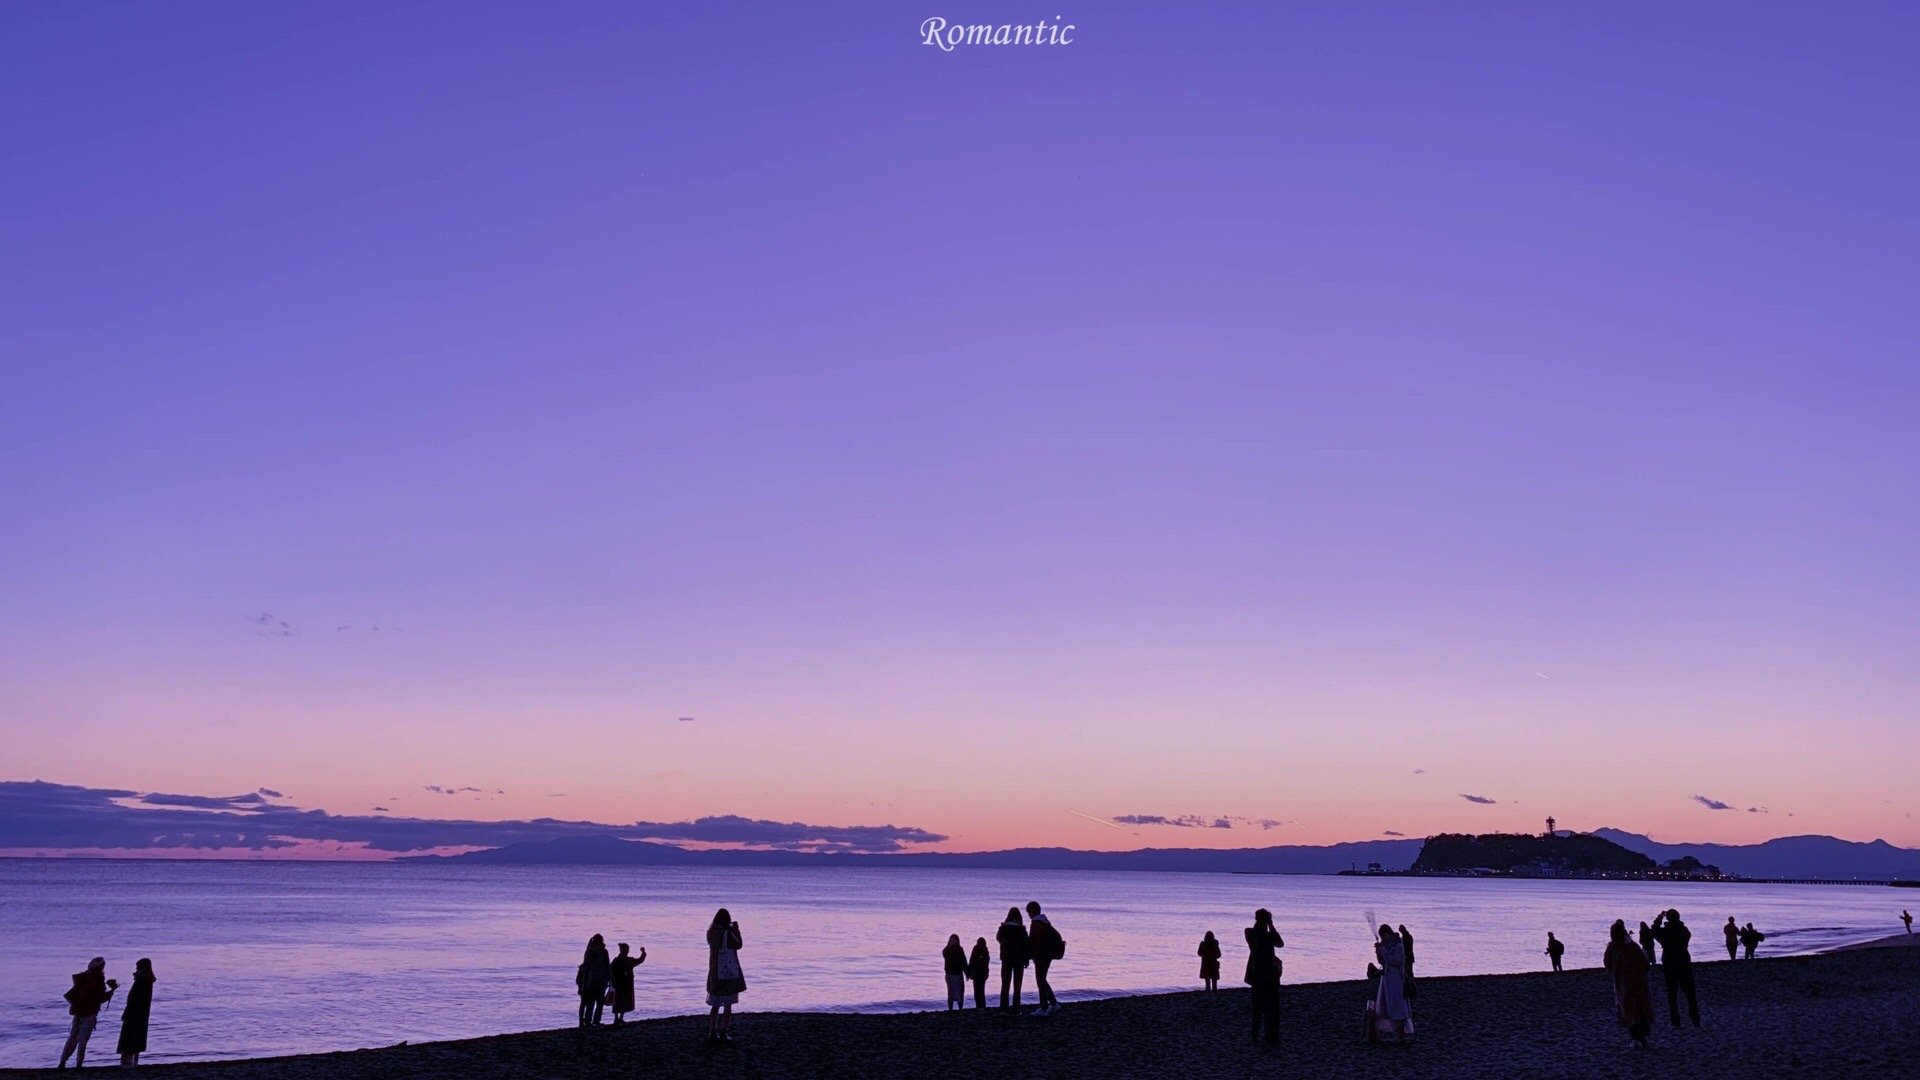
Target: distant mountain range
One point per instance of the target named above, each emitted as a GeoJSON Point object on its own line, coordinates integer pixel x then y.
{"type": "Point", "coordinates": [1289, 859]}
{"type": "Point", "coordinates": [1789, 856]}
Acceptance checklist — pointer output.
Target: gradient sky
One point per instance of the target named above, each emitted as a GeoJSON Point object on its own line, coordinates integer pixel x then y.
{"type": "Point", "coordinates": [1232, 413]}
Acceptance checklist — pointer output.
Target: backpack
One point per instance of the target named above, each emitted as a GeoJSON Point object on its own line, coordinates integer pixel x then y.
{"type": "Point", "coordinates": [1055, 945]}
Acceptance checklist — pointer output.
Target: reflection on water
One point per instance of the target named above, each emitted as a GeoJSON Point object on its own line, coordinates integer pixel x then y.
{"type": "Point", "coordinates": [278, 958]}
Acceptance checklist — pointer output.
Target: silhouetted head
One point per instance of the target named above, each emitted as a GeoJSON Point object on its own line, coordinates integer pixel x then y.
{"type": "Point", "coordinates": [1209, 936]}
{"type": "Point", "coordinates": [143, 966]}
{"type": "Point", "coordinates": [1673, 914]}
{"type": "Point", "coordinates": [1619, 931]}
{"type": "Point", "coordinates": [1386, 933]}
{"type": "Point", "coordinates": [1033, 907]}
{"type": "Point", "coordinates": [722, 919]}
{"type": "Point", "coordinates": [596, 942]}
{"type": "Point", "coordinates": [1623, 929]}
{"type": "Point", "coordinates": [1263, 917]}
{"type": "Point", "coordinates": [1013, 916]}
{"type": "Point", "coordinates": [623, 948]}
{"type": "Point", "coordinates": [979, 943]}
{"type": "Point", "coordinates": [98, 963]}
{"type": "Point", "coordinates": [1403, 929]}
{"type": "Point", "coordinates": [953, 941]}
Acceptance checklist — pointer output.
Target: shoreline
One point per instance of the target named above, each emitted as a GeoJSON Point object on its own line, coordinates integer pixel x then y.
{"type": "Point", "coordinates": [1851, 1010]}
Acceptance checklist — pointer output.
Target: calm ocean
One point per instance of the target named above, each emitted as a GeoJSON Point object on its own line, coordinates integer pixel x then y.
{"type": "Point", "coordinates": [274, 958]}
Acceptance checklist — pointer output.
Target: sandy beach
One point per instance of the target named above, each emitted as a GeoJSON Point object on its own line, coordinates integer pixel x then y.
{"type": "Point", "coordinates": [1844, 1014]}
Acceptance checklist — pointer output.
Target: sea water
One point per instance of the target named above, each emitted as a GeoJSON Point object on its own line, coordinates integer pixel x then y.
{"type": "Point", "coordinates": [273, 958]}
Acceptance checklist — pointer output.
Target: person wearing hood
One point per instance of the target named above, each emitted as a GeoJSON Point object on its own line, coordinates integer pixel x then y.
{"type": "Point", "coordinates": [954, 957]}
{"type": "Point", "coordinates": [1012, 937]}
{"type": "Point", "coordinates": [591, 980]}
{"type": "Point", "coordinates": [1044, 946]}
{"type": "Point", "coordinates": [135, 1013]}
{"type": "Point", "coordinates": [979, 966]}
{"type": "Point", "coordinates": [91, 989]}
{"type": "Point", "coordinates": [1632, 1003]}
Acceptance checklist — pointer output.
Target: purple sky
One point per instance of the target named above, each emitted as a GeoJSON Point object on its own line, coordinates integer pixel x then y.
{"type": "Point", "coordinates": [1226, 415]}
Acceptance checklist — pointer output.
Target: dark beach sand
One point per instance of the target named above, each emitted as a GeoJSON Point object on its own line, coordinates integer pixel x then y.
{"type": "Point", "coordinates": [1847, 1014]}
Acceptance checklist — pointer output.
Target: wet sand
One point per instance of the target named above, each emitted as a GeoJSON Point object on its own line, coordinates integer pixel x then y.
{"type": "Point", "coordinates": [1846, 1014]}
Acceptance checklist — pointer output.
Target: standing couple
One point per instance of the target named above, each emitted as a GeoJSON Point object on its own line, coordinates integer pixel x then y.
{"type": "Point", "coordinates": [1020, 944]}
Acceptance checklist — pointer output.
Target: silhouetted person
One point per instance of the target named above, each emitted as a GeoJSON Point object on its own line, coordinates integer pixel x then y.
{"type": "Point", "coordinates": [1044, 945]}
{"type": "Point", "coordinates": [954, 958]}
{"type": "Point", "coordinates": [1676, 964]}
{"type": "Point", "coordinates": [1646, 944]}
{"type": "Point", "coordinates": [725, 980]}
{"type": "Point", "coordinates": [591, 979]}
{"type": "Point", "coordinates": [979, 966]}
{"type": "Point", "coordinates": [623, 966]}
{"type": "Point", "coordinates": [1012, 938]}
{"type": "Point", "coordinates": [91, 989]}
{"type": "Point", "coordinates": [1556, 950]}
{"type": "Point", "coordinates": [1750, 939]}
{"type": "Point", "coordinates": [135, 1013]}
{"type": "Point", "coordinates": [1907, 918]}
{"type": "Point", "coordinates": [1406, 946]}
{"type": "Point", "coordinates": [1632, 1003]}
{"type": "Point", "coordinates": [1263, 975]}
{"type": "Point", "coordinates": [1732, 930]}
{"type": "Point", "coordinates": [1210, 961]}
{"type": "Point", "coordinates": [1390, 1005]}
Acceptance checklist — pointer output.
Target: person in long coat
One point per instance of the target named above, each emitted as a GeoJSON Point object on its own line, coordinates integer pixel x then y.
{"type": "Point", "coordinates": [1210, 961]}
{"type": "Point", "coordinates": [1632, 1001]}
{"type": "Point", "coordinates": [622, 967]}
{"type": "Point", "coordinates": [979, 966]}
{"type": "Point", "coordinates": [135, 1014]}
{"type": "Point", "coordinates": [1263, 975]}
{"type": "Point", "coordinates": [1012, 938]}
{"type": "Point", "coordinates": [1390, 1006]}
{"type": "Point", "coordinates": [725, 980]}
{"type": "Point", "coordinates": [591, 979]}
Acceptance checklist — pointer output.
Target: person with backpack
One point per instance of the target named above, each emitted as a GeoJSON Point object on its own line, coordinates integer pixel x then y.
{"type": "Point", "coordinates": [590, 978]}
{"type": "Point", "coordinates": [979, 966]}
{"type": "Point", "coordinates": [1047, 946]}
{"type": "Point", "coordinates": [1555, 950]}
{"type": "Point", "coordinates": [1012, 938]}
{"type": "Point", "coordinates": [91, 990]}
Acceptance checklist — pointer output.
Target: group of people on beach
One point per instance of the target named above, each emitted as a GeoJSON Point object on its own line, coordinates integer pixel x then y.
{"type": "Point", "coordinates": [90, 993]}
{"type": "Point", "coordinates": [1033, 941]}
{"type": "Point", "coordinates": [607, 981]}
{"type": "Point", "coordinates": [1630, 962]}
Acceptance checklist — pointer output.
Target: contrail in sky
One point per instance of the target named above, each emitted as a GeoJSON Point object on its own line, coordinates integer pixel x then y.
{"type": "Point", "coordinates": [1101, 819]}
